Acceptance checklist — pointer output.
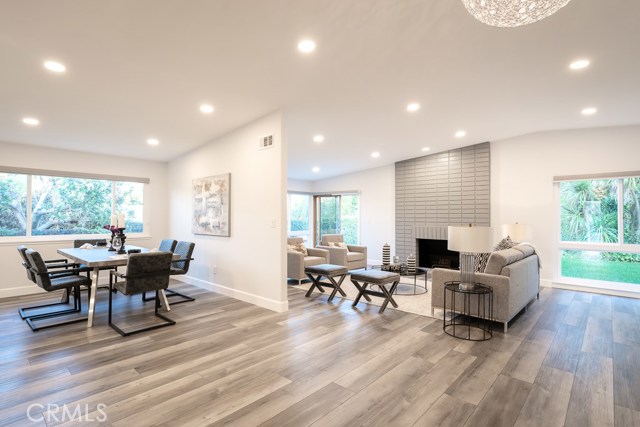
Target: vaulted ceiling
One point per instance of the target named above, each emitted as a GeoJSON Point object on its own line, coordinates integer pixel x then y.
{"type": "Point", "coordinates": [140, 69]}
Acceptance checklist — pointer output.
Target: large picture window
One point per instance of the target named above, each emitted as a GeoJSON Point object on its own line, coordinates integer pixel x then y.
{"type": "Point", "coordinates": [600, 229]}
{"type": "Point", "coordinates": [49, 205]}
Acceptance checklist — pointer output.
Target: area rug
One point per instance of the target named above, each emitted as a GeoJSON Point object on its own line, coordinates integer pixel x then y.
{"type": "Point", "coordinates": [416, 304]}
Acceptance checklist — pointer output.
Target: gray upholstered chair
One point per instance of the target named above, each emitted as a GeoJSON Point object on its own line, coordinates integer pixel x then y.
{"type": "Point", "coordinates": [297, 261]}
{"type": "Point", "coordinates": [353, 256]}
{"type": "Point", "coordinates": [145, 272]}
{"type": "Point", "coordinates": [167, 245]}
{"type": "Point", "coordinates": [181, 266]}
{"type": "Point", "coordinates": [54, 279]}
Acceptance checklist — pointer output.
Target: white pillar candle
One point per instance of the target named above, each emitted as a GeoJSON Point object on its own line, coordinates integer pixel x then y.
{"type": "Point", "coordinates": [114, 220]}
{"type": "Point", "coordinates": [121, 220]}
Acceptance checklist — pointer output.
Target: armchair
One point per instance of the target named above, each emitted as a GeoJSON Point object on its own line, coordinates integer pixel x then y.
{"type": "Point", "coordinates": [297, 261]}
{"type": "Point", "coordinates": [352, 256]}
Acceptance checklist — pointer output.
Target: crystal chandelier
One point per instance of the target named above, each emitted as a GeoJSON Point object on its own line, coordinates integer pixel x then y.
{"type": "Point", "coordinates": [512, 13]}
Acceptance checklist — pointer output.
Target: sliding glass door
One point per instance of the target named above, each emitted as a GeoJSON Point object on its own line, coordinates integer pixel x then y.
{"type": "Point", "coordinates": [338, 214]}
{"type": "Point", "coordinates": [327, 215]}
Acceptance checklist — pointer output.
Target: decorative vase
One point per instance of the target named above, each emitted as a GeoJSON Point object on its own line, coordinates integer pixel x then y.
{"type": "Point", "coordinates": [411, 264]}
{"type": "Point", "coordinates": [396, 259]}
{"type": "Point", "coordinates": [386, 254]}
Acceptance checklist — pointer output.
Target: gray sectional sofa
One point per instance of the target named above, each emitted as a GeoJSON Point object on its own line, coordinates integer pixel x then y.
{"type": "Point", "coordinates": [513, 274]}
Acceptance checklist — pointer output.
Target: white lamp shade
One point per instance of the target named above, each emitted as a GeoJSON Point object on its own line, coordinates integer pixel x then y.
{"type": "Point", "coordinates": [470, 239]}
{"type": "Point", "coordinates": [517, 232]}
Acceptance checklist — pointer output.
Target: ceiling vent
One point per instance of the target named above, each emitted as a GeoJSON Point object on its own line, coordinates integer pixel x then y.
{"type": "Point", "coordinates": [265, 142]}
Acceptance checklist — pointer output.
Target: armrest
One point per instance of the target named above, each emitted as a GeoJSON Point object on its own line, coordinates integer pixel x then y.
{"type": "Point", "coordinates": [337, 256]}
{"type": "Point", "coordinates": [63, 260]}
{"type": "Point", "coordinates": [357, 248]}
{"type": "Point", "coordinates": [318, 252]}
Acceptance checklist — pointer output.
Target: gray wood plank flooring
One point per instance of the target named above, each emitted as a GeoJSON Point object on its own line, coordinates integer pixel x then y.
{"type": "Point", "coordinates": [570, 359]}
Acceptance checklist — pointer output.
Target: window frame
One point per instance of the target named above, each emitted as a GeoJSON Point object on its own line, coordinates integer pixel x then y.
{"type": "Point", "coordinates": [619, 247]}
{"type": "Point", "coordinates": [29, 173]}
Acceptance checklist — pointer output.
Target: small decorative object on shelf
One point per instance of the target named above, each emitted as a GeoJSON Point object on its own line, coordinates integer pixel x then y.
{"type": "Point", "coordinates": [411, 264]}
{"type": "Point", "coordinates": [395, 267]}
{"type": "Point", "coordinates": [396, 259]}
{"type": "Point", "coordinates": [386, 254]}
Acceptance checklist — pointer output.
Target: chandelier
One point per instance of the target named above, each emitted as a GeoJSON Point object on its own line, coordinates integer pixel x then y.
{"type": "Point", "coordinates": [512, 13]}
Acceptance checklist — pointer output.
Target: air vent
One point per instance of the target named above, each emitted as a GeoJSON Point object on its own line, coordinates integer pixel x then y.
{"type": "Point", "coordinates": [265, 142]}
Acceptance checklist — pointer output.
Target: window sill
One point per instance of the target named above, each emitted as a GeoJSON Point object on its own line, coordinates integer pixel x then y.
{"type": "Point", "coordinates": [67, 238]}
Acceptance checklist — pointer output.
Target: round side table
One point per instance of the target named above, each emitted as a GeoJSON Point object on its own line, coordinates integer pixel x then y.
{"type": "Point", "coordinates": [470, 312]}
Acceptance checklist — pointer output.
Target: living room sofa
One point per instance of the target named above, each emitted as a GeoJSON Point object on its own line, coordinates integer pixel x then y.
{"type": "Point", "coordinates": [513, 274]}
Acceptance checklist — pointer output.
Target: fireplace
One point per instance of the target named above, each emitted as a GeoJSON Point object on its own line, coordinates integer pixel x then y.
{"type": "Point", "coordinates": [433, 253]}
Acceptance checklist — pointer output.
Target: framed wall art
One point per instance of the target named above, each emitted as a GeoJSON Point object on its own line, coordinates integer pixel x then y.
{"type": "Point", "coordinates": [211, 205]}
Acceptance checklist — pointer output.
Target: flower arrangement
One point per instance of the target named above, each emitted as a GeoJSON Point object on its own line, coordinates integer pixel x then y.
{"type": "Point", "coordinates": [112, 228]}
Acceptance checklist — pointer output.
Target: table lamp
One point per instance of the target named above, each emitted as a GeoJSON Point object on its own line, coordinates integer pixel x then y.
{"type": "Point", "coordinates": [517, 232]}
{"type": "Point", "coordinates": [469, 241]}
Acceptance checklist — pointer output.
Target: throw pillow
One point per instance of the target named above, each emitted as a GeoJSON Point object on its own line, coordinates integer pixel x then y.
{"type": "Point", "coordinates": [505, 243]}
{"type": "Point", "coordinates": [481, 261]}
{"type": "Point", "coordinates": [339, 244]}
{"type": "Point", "coordinates": [298, 247]}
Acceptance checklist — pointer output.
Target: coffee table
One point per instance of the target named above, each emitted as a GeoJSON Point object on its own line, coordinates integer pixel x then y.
{"type": "Point", "coordinates": [411, 286]}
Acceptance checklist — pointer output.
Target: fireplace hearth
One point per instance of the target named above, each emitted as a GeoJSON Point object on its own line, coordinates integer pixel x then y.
{"type": "Point", "coordinates": [433, 253]}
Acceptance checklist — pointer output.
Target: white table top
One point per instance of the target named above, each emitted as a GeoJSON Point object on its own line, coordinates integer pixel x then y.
{"type": "Point", "coordinates": [98, 256]}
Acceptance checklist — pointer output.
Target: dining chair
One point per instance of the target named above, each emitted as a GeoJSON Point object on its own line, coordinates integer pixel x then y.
{"type": "Point", "coordinates": [181, 266]}
{"type": "Point", "coordinates": [54, 279]}
{"type": "Point", "coordinates": [62, 265]}
{"type": "Point", "coordinates": [95, 242]}
{"type": "Point", "coordinates": [167, 245]}
{"type": "Point", "coordinates": [145, 272]}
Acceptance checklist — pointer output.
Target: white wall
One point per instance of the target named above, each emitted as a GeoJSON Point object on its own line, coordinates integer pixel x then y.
{"type": "Point", "coordinates": [522, 171]}
{"type": "Point", "coordinates": [299, 185]}
{"type": "Point", "coordinates": [14, 281]}
{"type": "Point", "coordinates": [250, 265]}
{"type": "Point", "coordinates": [377, 205]}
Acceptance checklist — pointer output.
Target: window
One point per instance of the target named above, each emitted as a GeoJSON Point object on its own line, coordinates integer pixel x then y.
{"type": "Point", "coordinates": [298, 216]}
{"type": "Point", "coordinates": [13, 204]}
{"type": "Point", "coordinates": [47, 205]}
{"type": "Point", "coordinates": [600, 230]}
{"type": "Point", "coordinates": [338, 214]}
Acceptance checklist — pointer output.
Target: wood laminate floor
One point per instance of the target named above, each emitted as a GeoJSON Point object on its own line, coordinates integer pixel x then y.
{"type": "Point", "coordinates": [572, 359]}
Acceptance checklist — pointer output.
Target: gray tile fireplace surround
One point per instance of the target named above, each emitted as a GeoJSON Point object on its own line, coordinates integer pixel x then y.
{"type": "Point", "coordinates": [442, 189]}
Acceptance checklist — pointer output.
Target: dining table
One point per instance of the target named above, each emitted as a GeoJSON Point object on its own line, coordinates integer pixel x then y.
{"type": "Point", "coordinates": [98, 258]}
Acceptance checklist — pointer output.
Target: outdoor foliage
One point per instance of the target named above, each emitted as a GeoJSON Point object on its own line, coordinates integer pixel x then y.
{"type": "Point", "coordinates": [62, 206]}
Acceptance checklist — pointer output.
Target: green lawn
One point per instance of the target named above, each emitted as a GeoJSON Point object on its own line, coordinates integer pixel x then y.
{"type": "Point", "coordinates": [598, 269]}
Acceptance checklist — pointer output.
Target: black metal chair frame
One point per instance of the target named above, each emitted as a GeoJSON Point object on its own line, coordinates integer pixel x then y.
{"type": "Point", "coordinates": [64, 268]}
{"type": "Point", "coordinates": [170, 293]}
{"type": "Point", "coordinates": [167, 321]}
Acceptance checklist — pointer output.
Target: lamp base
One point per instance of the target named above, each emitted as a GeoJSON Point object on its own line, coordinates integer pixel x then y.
{"type": "Point", "coordinates": [467, 286]}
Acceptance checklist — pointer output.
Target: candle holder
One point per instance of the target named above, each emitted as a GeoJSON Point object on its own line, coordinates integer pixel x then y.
{"type": "Point", "coordinates": [123, 237]}
{"type": "Point", "coordinates": [113, 234]}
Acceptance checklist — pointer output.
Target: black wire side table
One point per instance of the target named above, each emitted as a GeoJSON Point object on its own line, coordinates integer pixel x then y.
{"type": "Point", "coordinates": [470, 313]}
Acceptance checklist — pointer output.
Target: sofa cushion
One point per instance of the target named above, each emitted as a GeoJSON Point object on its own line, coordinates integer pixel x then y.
{"type": "Point", "coordinates": [313, 260]}
{"type": "Point", "coordinates": [355, 256]}
{"type": "Point", "coordinates": [499, 259]}
{"type": "Point", "coordinates": [505, 243]}
{"type": "Point", "coordinates": [338, 244]}
{"type": "Point", "coordinates": [298, 247]}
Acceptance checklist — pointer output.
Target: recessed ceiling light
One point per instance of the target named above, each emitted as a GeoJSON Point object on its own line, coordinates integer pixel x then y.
{"type": "Point", "coordinates": [460, 134]}
{"type": "Point", "coordinates": [206, 108]}
{"type": "Point", "coordinates": [375, 154]}
{"type": "Point", "coordinates": [153, 141]}
{"type": "Point", "coordinates": [589, 111]}
{"type": "Point", "coordinates": [425, 149]}
{"type": "Point", "coordinates": [413, 107]}
{"type": "Point", "coordinates": [318, 138]}
{"type": "Point", "coordinates": [306, 46]}
{"type": "Point", "coordinates": [315, 169]}
{"type": "Point", "coordinates": [579, 64]}
{"type": "Point", "coordinates": [54, 66]}
{"type": "Point", "coordinates": [31, 121]}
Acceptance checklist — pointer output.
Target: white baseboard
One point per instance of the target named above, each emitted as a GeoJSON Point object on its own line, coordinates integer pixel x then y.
{"type": "Point", "coordinates": [546, 283]}
{"type": "Point", "coordinates": [20, 291]}
{"type": "Point", "coordinates": [614, 292]}
{"type": "Point", "coordinates": [270, 304]}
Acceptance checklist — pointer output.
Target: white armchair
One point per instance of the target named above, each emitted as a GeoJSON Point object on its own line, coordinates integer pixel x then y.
{"type": "Point", "coordinates": [352, 256]}
{"type": "Point", "coordinates": [297, 261]}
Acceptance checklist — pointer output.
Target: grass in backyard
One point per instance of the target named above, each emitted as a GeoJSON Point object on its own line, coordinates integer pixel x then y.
{"type": "Point", "coordinates": [596, 268]}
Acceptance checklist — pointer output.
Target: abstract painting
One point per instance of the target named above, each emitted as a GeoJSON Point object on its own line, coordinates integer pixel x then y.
{"type": "Point", "coordinates": [211, 205]}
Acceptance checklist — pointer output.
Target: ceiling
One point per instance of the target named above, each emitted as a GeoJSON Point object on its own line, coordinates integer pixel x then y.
{"type": "Point", "coordinates": [140, 69]}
